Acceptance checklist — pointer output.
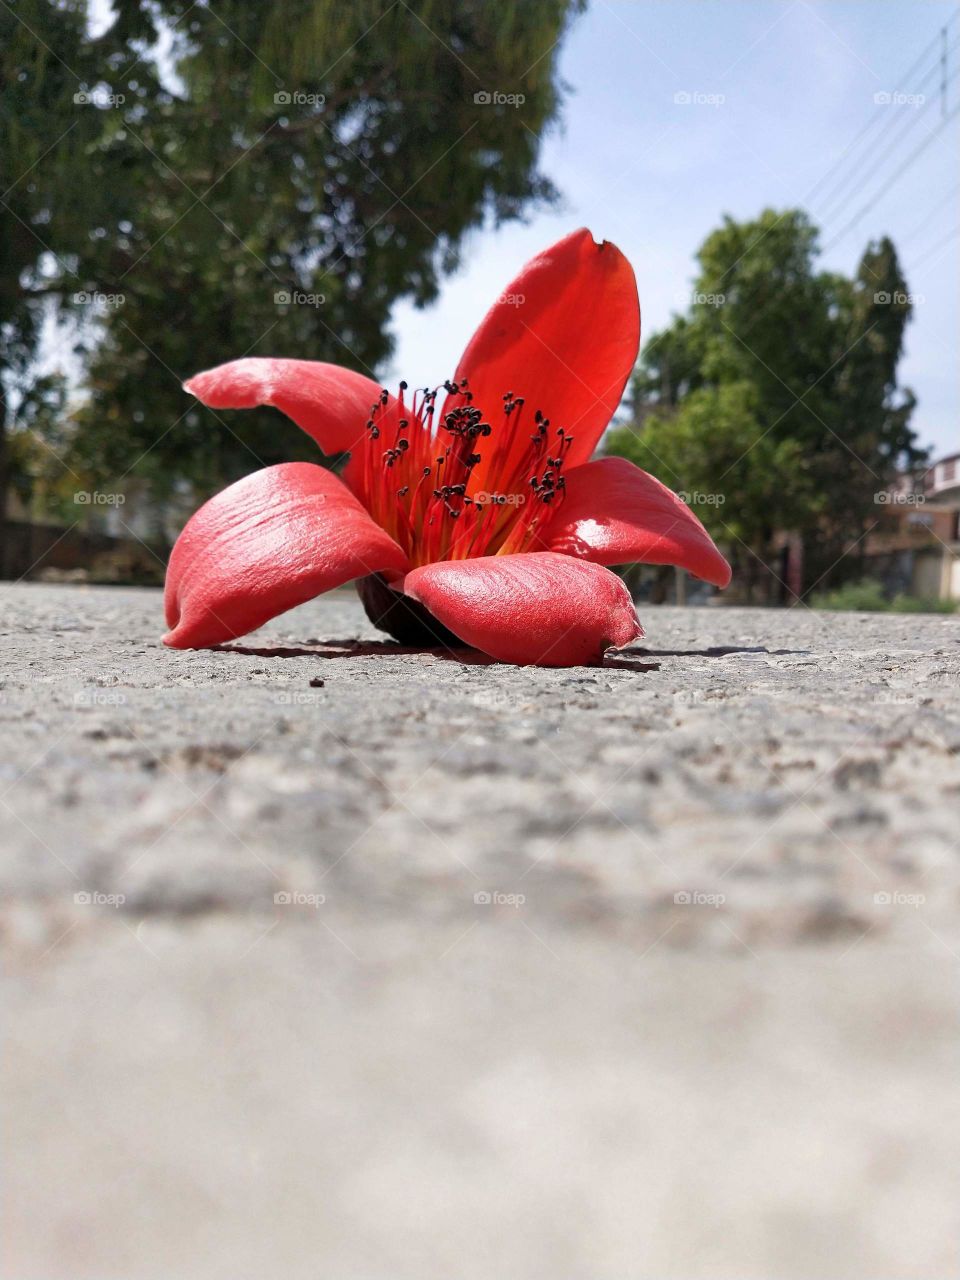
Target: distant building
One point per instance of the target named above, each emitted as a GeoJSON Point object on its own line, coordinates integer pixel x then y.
{"type": "Point", "coordinates": [915, 547]}
{"type": "Point", "coordinates": [943, 479]}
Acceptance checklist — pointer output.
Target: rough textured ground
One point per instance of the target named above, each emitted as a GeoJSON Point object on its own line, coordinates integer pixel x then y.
{"type": "Point", "coordinates": [478, 1033]}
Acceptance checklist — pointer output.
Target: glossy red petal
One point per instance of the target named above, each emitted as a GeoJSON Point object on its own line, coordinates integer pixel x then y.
{"type": "Point", "coordinates": [563, 335]}
{"type": "Point", "coordinates": [537, 608]}
{"type": "Point", "coordinates": [330, 403]}
{"type": "Point", "coordinates": [614, 513]}
{"type": "Point", "coordinates": [271, 541]}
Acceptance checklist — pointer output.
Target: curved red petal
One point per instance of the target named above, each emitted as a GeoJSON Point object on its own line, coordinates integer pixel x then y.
{"type": "Point", "coordinates": [271, 541]}
{"type": "Point", "coordinates": [615, 513]}
{"type": "Point", "coordinates": [537, 608]}
{"type": "Point", "coordinates": [563, 335]}
{"type": "Point", "coordinates": [330, 403]}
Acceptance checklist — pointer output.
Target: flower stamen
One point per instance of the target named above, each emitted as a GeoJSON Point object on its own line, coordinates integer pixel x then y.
{"type": "Point", "coordinates": [420, 487]}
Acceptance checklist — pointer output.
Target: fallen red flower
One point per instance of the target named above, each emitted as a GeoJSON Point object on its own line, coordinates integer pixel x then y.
{"type": "Point", "coordinates": [484, 523]}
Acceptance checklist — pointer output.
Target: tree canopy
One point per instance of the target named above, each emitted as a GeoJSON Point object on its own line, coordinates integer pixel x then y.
{"type": "Point", "coordinates": [774, 401]}
{"type": "Point", "coordinates": [209, 182]}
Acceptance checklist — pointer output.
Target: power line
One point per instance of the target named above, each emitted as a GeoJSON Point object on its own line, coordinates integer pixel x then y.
{"type": "Point", "coordinates": [939, 245]}
{"type": "Point", "coordinates": [885, 187]}
{"type": "Point", "coordinates": [939, 39]}
{"type": "Point", "coordinates": [883, 147]}
{"type": "Point", "coordinates": [930, 216]}
{"type": "Point", "coordinates": [880, 114]}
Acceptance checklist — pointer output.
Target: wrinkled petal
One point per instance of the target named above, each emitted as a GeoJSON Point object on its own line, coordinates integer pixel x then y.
{"type": "Point", "coordinates": [271, 541]}
{"type": "Point", "coordinates": [536, 608]}
{"type": "Point", "coordinates": [330, 403]}
{"type": "Point", "coordinates": [615, 513]}
{"type": "Point", "coordinates": [563, 335]}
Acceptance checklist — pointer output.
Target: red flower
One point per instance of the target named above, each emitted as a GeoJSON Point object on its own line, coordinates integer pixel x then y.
{"type": "Point", "coordinates": [485, 522]}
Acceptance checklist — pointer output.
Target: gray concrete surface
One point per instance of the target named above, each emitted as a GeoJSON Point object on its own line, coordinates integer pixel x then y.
{"type": "Point", "coordinates": [581, 1075]}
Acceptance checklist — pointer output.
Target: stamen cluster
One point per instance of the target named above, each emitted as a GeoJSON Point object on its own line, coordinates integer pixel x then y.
{"type": "Point", "coordinates": [419, 481]}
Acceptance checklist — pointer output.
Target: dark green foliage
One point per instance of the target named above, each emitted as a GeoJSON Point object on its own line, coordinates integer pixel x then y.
{"type": "Point", "coordinates": [777, 391]}
{"type": "Point", "coordinates": [248, 186]}
{"type": "Point", "coordinates": [307, 146]}
{"type": "Point", "coordinates": [868, 597]}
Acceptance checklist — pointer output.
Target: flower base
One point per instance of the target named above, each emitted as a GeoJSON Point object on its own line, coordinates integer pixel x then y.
{"type": "Point", "coordinates": [404, 619]}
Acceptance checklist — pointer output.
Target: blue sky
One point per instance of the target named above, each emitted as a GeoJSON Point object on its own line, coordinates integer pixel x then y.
{"type": "Point", "coordinates": [798, 82]}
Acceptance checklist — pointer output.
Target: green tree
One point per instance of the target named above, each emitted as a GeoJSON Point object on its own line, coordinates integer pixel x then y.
{"type": "Point", "coordinates": [52, 201]}
{"type": "Point", "coordinates": [336, 153]}
{"type": "Point", "coordinates": [874, 412]}
{"type": "Point", "coordinates": [192, 162]}
{"type": "Point", "coordinates": [742, 484]}
{"type": "Point", "coordinates": [778, 391]}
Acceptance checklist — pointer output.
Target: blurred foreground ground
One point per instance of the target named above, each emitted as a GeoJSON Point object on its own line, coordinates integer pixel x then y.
{"type": "Point", "coordinates": [617, 974]}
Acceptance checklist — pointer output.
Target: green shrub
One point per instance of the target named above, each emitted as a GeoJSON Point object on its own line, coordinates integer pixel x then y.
{"type": "Point", "coordinates": [922, 604]}
{"type": "Point", "coordinates": [867, 596]}
{"type": "Point", "coordinates": [864, 597]}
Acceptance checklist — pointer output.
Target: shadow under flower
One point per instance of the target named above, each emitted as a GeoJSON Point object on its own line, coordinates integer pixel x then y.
{"type": "Point", "coordinates": [626, 659]}
{"type": "Point", "coordinates": [631, 659]}
{"type": "Point", "coordinates": [357, 649]}
{"type": "Point", "coordinates": [715, 651]}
